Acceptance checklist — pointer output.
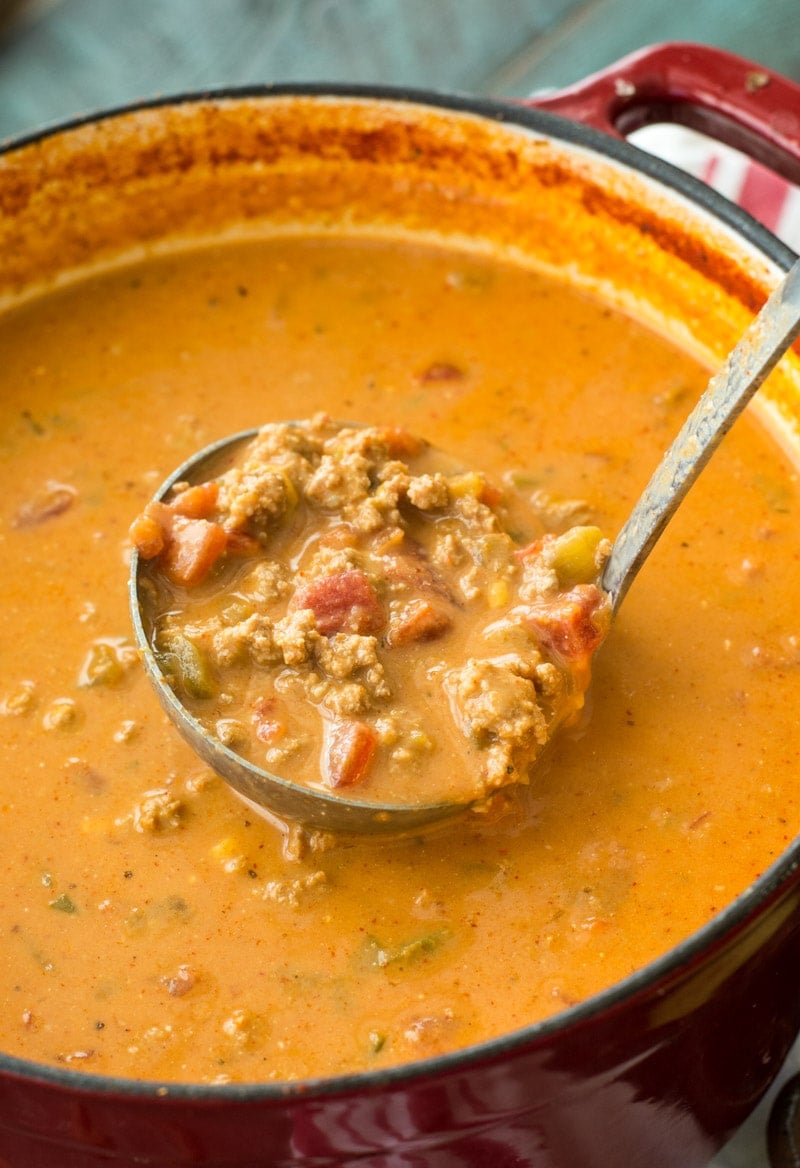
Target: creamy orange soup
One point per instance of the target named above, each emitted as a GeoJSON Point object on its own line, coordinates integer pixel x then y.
{"type": "Point", "coordinates": [152, 925]}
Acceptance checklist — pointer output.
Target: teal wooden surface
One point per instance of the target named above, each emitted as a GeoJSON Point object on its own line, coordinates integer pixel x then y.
{"type": "Point", "coordinates": [62, 58]}
{"type": "Point", "coordinates": [73, 55]}
{"type": "Point", "coordinates": [595, 34]}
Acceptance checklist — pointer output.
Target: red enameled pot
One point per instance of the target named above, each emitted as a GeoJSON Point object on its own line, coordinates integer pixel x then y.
{"type": "Point", "coordinates": [656, 1071]}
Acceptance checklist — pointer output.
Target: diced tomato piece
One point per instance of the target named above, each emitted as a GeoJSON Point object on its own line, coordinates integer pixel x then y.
{"type": "Point", "coordinates": [441, 371]}
{"type": "Point", "coordinates": [402, 443]}
{"type": "Point", "coordinates": [349, 751]}
{"type": "Point", "coordinates": [387, 541]}
{"type": "Point", "coordinates": [533, 549]}
{"type": "Point", "coordinates": [344, 602]}
{"type": "Point", "coordinates": [419, 621]}
{"type": "Point", "coordinates": [148, 536]}
{"type": "Point", "coordinates": [193, 550]}
{"type": "Point", "coordinates": [490, 495]}
{"type": "Point", "coordinates": [239, 543]}
{"type": "Point", "coordinates": [52, 500]}
{"type": "Point", "coordinates": [574, 624]}
{"type": "Point", "coordinates": [342, 535]}
{"type": "Point", "coordinates": [197, 502]}
{"type": "Point", "coordinates": [268, 726]}
{"type": "Point", "coordinates": [152, 530]}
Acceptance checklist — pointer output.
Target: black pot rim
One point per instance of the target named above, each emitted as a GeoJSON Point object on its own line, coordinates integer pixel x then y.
{"type": "Point", "coordinates": [704, 941]}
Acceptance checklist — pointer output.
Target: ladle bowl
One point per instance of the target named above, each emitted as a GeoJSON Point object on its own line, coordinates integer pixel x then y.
{"type": "Point", "coordinates": [263, 789]}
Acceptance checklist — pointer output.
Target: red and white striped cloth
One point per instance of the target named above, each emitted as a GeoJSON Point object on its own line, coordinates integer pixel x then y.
{"type": "Point", "coordinates": [761, 192]}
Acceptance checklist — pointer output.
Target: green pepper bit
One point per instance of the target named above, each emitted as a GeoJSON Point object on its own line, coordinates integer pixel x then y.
{"type": "Point", "coordinates": [185, 663]}
{"type": "Point", "coordinates": [574, 556]}
{"type": "Point", "coordinates": [64, 903]}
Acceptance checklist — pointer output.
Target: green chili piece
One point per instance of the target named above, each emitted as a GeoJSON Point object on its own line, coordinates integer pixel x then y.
{"type": "Point", "coordinates": [179, 656]}
{"type": "Point", "coordinates": [383, 955]}
{"type": "Point", "coordinates": [778, 495]}
{"type": "Point", "coordinates": [101, 667]}
{"type": "Point", "coordinates": [64, 903]}
{"type": "Point", "coordinates": [238, 609]}
{"type": "Point", "coordinates": [575, 556]}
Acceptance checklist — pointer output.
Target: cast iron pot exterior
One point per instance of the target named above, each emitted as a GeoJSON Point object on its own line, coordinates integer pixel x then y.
{"type": "Point", "coordinates": [657, 1071]}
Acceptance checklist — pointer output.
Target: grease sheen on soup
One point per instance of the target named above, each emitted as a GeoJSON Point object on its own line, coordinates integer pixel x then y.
{"type": "Point", "coordinates": [152, 925]}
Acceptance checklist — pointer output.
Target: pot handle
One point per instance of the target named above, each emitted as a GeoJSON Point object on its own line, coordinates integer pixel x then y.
{"type": "Point", "coordinates": [724, 96]}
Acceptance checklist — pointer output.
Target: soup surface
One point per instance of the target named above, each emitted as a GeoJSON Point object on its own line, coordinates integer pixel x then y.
{"type": "Point", "coordinates": [152, 925]}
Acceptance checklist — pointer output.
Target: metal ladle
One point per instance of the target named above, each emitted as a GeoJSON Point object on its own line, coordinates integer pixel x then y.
{"type": "Point", "coordinates": [761, 347]}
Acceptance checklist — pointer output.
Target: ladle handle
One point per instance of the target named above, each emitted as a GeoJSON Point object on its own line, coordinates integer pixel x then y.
{"type": "Point", "coordinates": [759, 350]}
